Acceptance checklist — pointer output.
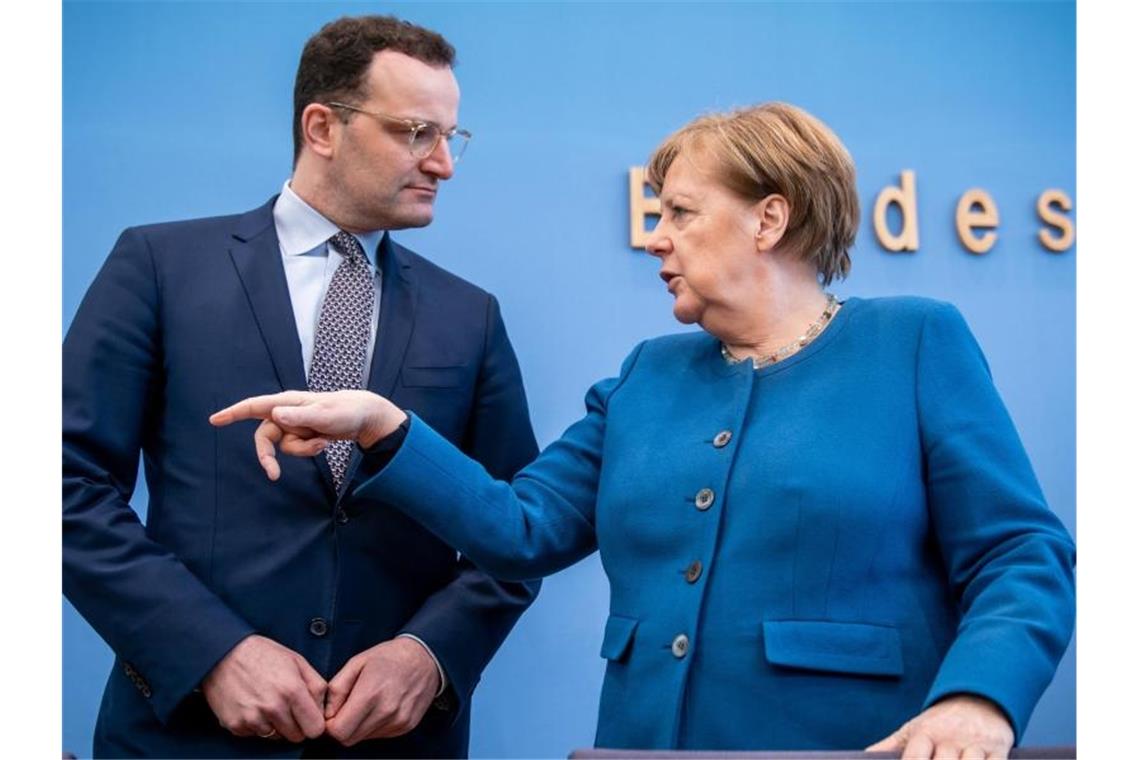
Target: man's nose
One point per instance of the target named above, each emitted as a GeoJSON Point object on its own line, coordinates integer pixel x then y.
{"type": "Point", "coordinates": [439, 163]}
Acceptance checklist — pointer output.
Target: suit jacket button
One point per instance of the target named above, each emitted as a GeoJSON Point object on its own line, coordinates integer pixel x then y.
{"type": "Point", "coordinates": [722, 439]}
{"type": "Point", "coordinates": [693, 571]}
{"type": "Point", "coordinates": [341, 516]}
{"type": "Point", "coordinates": [705, 498]}
{"type": "Point", "coordinates": [318, 626]}
{"type": "Point", "coordinates": [680, 646]}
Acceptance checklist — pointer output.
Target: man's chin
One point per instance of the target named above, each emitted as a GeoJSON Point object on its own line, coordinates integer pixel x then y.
{"type": "Point", "coordinates": [411, 219]}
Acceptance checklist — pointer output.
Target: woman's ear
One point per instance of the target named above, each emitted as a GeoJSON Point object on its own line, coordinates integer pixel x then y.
{"type": "Point", "coordinates": [772, 214]}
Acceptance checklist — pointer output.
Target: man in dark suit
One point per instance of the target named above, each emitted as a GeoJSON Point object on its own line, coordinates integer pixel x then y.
{"type": "Point", "coordinates": [256, 619]}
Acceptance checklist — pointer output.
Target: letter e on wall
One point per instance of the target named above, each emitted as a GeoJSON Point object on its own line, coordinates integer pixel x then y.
{"type": "Point", "coordinates": [976, 210]}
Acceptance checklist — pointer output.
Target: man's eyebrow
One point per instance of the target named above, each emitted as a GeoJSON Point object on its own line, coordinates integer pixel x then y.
{"type": "Point", "coordinates": [429, 122]}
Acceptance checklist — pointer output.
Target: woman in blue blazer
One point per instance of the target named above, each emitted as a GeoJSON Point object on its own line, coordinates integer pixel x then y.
{"type": "Point", "coordinates": [818, 523]}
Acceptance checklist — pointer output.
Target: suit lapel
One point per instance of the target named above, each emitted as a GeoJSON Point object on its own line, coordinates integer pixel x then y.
{"type": "Point", "coordinates": [256, 254]}
{"type": "Point", "coordinates": [397, 316]}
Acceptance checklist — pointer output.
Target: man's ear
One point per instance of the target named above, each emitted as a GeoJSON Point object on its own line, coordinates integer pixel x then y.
{"type": "Point", "coordinates": [772, 214]}
{"type": "Point", "coordinates": [319, 129]}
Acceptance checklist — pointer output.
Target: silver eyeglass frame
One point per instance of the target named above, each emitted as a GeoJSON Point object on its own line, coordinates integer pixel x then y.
{"type": "Point", "coordinates": [415, 128]}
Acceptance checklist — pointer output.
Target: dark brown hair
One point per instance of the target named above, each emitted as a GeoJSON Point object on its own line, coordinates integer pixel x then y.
{"type": "Point", "coordinates": [335, 59]}
{"type": "Point", "coordinates": [778, 148]}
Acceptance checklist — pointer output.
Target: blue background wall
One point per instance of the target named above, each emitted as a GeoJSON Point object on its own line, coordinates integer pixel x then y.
{"type": "Point", "coordinates": [178, 110]}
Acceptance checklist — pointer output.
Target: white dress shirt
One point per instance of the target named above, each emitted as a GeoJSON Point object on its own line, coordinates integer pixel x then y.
{"type": "Point", "coordinates": [310, 262]}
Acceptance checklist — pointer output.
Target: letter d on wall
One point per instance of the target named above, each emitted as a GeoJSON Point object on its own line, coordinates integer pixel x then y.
{"type": "Point", "coordinates": [905, 197]}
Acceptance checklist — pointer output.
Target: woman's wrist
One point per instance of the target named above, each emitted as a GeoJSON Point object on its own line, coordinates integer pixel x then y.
{"type": "Point", "coordinates": [382, 420]}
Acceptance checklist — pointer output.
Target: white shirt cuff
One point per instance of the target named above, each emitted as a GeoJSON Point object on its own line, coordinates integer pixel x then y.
{"type": "Point", "coordinates": [431, 654]}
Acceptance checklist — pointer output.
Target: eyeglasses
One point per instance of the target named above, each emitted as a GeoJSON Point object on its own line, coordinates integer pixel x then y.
{"type": "Point", "coordinates": [423, 136]}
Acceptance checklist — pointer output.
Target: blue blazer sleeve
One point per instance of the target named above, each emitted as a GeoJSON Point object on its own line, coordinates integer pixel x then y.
{"type": "Point", "coordinates": [1008, 558]}
{"type": "Point", "coordinates": [498, 436]}
{"type": "Point", "coordinates": [536, 525]}
{"type": "Point", "coordinates": [148, 606]}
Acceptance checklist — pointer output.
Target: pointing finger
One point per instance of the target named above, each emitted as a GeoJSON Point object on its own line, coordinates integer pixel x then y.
{"type": "Point", "coordinates": [257, 407]}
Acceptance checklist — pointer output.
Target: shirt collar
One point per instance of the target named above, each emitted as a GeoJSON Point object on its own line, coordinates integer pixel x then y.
{"type": "Point", "coordinates": [301, 229]}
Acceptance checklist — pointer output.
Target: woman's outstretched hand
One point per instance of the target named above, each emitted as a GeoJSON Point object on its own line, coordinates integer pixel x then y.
{"type": "Point", "coordinates": [302, 423]}
{"type": "Point", "coordinates": [961, 726]}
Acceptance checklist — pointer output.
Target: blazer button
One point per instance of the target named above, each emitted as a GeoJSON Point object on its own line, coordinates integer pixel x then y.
{"type": "Point", "coordinates": [722, 439]}
{"type": "Point", "coordinates": [318, 627]}
{"type": "Point", "coordinates": [341, 516]}
{"type": "Point", "coordinates": [693, 571]}
{"type": "Point", "coordinates": [705, 498]}
{"type": "Point", "coordinates": [680, 646]}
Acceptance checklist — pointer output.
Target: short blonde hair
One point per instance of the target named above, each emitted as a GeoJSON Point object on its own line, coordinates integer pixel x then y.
{"type": "Point", "coordinates": [778, 148]}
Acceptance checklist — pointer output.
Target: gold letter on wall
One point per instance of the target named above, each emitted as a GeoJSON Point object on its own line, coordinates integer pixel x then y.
{"type": "Point", "coordinates": [1047, 199]}
{"type": "Point", "coordinates": [969, 218]}
{"type": "Point", "coordinates": [907, 239]}
{"type": "Point", "coordinates": [640, 207]}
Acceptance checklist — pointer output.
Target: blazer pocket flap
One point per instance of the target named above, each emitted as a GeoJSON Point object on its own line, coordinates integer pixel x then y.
{"type": "Point", "coordinates": [433, 377]}
{"type": "Point", "coordinates": [839, 647]}
{"type": "Point", "coordinates": [618, 636]}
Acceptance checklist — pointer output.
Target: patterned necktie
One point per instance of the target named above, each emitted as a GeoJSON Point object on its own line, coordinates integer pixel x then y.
{"type": "Point", "coordinates": [343, 330]}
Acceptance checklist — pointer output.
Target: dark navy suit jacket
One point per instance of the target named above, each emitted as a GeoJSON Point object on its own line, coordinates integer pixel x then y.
{"type": "Point", "coordinates": [186, 318]}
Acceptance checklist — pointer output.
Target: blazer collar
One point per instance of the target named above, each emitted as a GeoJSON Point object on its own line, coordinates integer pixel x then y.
{"type": "Point", "coordinates": [256, 254]}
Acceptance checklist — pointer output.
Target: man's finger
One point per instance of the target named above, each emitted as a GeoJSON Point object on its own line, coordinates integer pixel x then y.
{"type": "Point", "coordinates": [341, 686]}
{"type": "Point", "coordinates": [317, 686]}
{"type": "Point", "coordinates": [348, 719]}
{"type": "Point", "coordinates": [256, 407]}
{"type": "Point", "coordinates": [283, 722]}
{"type": "Point", "coordinates": [395, 724]}
{"type": "Point", "coordinates": [370, 726]}
{"type": "Point", "coordinates": [265, 440]}
{"type": "Point", "coordinates": [307, 713]}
